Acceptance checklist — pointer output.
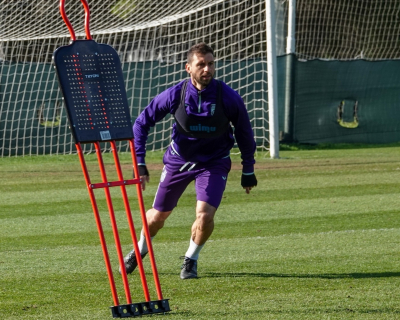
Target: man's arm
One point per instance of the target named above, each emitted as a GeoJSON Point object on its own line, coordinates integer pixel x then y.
{"type": "Point", "coordinates": [158, 108]}
{"type": "Point", "coordinates": [244, 137]}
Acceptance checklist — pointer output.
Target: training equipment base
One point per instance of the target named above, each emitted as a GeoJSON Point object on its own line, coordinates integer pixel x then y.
{"type": "Point", "coordinates": [139, 309]}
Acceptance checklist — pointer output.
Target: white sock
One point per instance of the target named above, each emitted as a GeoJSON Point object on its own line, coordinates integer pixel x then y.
{"type": "Point", "coordinates": [143, 244]}
{"type": "Point", "coordinates": [194, 250]}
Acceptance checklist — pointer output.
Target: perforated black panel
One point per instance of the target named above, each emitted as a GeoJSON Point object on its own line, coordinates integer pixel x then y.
{"type": "Point", "coordinates": [92, 83]}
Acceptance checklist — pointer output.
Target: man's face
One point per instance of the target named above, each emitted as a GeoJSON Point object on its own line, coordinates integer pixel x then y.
{"type": "Point", "coordinates": [201, 70]}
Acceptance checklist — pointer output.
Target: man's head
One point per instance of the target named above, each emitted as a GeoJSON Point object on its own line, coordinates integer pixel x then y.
{"type": "Point", "coordinates": [200, 65]}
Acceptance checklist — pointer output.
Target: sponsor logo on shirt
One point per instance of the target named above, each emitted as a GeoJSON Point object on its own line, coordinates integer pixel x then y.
{"type": "Point", "coordinates": [200, 128]}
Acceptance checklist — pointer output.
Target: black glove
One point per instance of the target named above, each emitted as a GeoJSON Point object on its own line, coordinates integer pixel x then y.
{"type": "Point", "coordinates": [249, 180]}
{"type": "Point", "coordinates": [142, 171]}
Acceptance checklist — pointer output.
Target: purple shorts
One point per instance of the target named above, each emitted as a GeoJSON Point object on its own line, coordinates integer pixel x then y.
{"type": "Point", "coordinates": [210, 180]}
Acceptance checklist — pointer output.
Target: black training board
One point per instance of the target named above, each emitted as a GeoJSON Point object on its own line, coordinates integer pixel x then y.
{"type": "Point", "coordinates": [92, 84]}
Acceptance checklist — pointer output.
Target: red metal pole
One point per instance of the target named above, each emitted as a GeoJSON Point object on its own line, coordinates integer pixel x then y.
{"type": "Point", "coordinates": [87, 19]}
{"type": "Point", "coordinates": [68, 23]}
{"type": "Point", "coordinates": [113, 224]}
{"type": "Point", "coordinates": [130, 223]}
{"type": "Point", "coordinates": [145, 226]}
{"type": "Point", "coordinates": [66, 20]}
{"type": "Point", "coordinates": [99, 226]}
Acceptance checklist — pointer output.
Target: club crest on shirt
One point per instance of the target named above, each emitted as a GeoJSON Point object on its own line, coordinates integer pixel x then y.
{"type": "Point", "coordinates": [212, 109]}
{"type": "Point", "coordinates": [163, 174]}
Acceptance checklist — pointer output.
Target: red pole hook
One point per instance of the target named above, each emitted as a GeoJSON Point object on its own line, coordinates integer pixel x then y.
{"type": "Point", "coordinates": [68, 23]}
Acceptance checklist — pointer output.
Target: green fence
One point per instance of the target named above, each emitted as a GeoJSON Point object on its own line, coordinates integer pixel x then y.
{"type": "Point", "coordinates": [33, 120]}
{"type": "Point", "coordinates": [347, 101]}
{"type": "Point", "coordinates": [334, 102]}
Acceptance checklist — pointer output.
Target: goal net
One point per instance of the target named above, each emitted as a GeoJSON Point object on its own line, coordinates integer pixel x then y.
{"type": "Point", "coordinates": [151, 38]}
{"type": "Point", "coordinates": [348, 30]}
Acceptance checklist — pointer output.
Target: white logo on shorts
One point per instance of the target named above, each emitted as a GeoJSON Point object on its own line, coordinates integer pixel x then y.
{"type": "Point", "coordinates": [163, 174]}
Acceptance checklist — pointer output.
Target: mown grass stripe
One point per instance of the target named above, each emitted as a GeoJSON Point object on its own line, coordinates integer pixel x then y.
{"type": "Point", "coordinates": [317, 239]}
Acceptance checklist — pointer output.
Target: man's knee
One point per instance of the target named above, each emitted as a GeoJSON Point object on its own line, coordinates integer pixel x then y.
{"type": "Point", "coordinates": [155, 216]}
{"type": "Point", "coordinates": [205, 213]}
{"type": "Point", "coordinates": [155, 220]}
{"type": "Point", "coordinates": [204, 218]}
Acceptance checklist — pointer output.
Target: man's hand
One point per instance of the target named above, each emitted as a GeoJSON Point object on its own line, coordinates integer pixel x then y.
{"type": "Point", "coordinates": [144, 175]}
{"type": "Point", "coordinates": [249, 181]}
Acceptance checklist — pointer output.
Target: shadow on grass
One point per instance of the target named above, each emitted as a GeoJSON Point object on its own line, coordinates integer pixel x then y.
{"type": "Point", "coordinates": [294, 275]}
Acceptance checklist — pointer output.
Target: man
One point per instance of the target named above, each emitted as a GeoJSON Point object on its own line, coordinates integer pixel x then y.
{"type": "Point", "coordinates": [201, 140]}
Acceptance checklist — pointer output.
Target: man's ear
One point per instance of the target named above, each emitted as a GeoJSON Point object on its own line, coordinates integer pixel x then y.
{"type": "Point", "coordinates": [187, 67]}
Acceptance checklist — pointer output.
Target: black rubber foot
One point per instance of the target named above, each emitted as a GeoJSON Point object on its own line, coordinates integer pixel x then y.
{"type": "Point", "coordinates": [139, 309]}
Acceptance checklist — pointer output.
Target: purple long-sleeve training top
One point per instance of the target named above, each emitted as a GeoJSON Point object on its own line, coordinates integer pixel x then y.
{"type": "Point", "coordinates": [199, 103]}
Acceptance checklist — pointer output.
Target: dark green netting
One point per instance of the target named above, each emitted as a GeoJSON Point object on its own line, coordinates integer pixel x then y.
{"type": "Point", "coordinates": [322, 86]}
{"type": "Point", "coordinates": [33, 120]}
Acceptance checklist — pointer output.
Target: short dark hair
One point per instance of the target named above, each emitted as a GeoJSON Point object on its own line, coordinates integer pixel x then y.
{"type": "Point", "coordinates": [201, 48]}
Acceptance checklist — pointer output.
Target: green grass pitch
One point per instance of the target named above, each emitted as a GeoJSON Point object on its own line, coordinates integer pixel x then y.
{"type": "Point", "coordinates": [318, 238]}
